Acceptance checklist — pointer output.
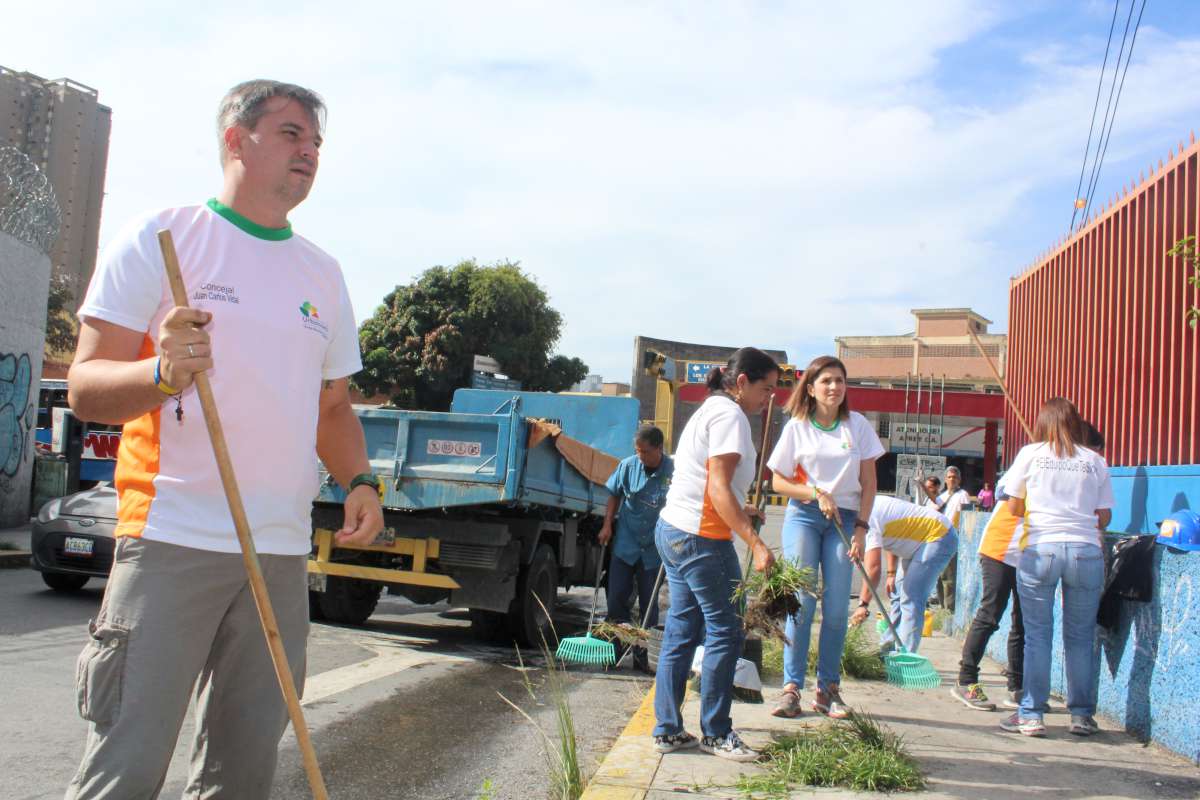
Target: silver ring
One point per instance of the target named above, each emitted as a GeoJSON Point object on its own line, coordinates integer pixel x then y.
{"type": "Point", "coordinates": [191, 352]}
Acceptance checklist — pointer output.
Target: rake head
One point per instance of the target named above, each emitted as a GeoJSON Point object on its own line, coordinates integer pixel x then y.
{"type": "Point", "coordinates": [911, 671]}
{"type": "Point", "coordinates": [586, 650]}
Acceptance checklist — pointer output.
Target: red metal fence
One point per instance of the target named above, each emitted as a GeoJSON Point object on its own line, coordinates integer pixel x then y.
{"type": "Point", "coordinates": [1100, 320]}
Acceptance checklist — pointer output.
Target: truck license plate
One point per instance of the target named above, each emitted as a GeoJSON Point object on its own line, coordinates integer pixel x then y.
{"type": "Point", "coordinates": [77, 546]}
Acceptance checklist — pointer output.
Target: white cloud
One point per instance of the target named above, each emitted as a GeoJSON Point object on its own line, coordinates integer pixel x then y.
{"type": "Point", "coordinates": [719, 172]}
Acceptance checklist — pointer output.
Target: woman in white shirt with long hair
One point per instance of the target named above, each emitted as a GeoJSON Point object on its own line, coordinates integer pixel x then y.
{"type": "Point", "coordinates": [706, 505]}
{"type": "Point", "coordinates": [825, 463]}
{"type": "Point", "coordinates": [1063, 492]}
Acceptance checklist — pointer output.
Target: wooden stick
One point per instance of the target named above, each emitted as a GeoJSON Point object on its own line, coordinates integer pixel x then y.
{"type": "Point", "coordinates": [762, 453]}
{"type": "Point", "coordinates": [258, 586]}
{"type": "Point", "coordinates": [996, 374]}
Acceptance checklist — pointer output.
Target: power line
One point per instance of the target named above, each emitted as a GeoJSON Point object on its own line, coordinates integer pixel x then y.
{"type": "Point", "coordinates": [1091, 127]}
{"type": "Point", "coordinates": [1108, 137]}
{"type": "Point", "coordinates": [1112, 88]}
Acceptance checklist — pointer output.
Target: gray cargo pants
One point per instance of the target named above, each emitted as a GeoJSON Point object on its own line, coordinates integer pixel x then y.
{"type": "Point", "coordinates": [176, 619]}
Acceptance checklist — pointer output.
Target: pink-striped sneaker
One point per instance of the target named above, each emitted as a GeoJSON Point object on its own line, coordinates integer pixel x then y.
{"type": "Point", "coordinates": [828, 701]}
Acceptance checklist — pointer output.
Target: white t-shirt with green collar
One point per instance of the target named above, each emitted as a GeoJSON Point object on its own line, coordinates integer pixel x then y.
{"type": "Point", "coordinates": [282, 323]}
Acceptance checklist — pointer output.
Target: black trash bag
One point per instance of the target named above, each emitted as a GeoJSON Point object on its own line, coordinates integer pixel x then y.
{"type": "Point", "coordinates": [1131, 577]}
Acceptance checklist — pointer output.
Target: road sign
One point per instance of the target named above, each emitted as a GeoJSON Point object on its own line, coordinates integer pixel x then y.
{"type": "Point", "coordinates": [697, 371]}
{"type": "Point", "coordinates": [486, 364]}
{"type": "Point", "coordinates": [480, 380]}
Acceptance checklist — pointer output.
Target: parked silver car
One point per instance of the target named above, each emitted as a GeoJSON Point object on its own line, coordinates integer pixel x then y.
{"type": "Point", "coordinates": [72, 538]}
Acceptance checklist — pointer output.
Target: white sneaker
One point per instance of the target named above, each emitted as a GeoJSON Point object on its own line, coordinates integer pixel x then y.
{"type": "Point", "coordinates": [729, 746]}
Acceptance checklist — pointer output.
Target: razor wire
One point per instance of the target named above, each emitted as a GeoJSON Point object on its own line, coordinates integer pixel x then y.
{"type": "Point", "coordinates": [29, 210]}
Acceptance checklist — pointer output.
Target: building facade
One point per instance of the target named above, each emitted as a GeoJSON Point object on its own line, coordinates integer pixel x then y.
{"type": "Point", "coordinates": [61, 126]}
{"type": "Point", "coordinates": [940, 346]}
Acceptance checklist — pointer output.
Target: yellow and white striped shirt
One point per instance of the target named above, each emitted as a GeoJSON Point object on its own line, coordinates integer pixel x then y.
{"type": "Point", "coordinates": [901, 527]}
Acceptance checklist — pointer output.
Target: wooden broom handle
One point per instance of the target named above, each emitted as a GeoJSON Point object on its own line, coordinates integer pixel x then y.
{"type": "Point", "coordinates": [996, 374]}
{"type": "Point", "coordinates": [258, 586]}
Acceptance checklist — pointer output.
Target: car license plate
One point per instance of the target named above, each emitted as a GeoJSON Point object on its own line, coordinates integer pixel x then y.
{"type": "Point", "coordinates": [77, 546]}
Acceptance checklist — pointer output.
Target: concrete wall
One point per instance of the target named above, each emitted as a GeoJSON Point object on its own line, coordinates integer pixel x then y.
{"type": "Point", "coordinates": [1149, 663]}
{"type": "Point", "coordinates": [25, 275]}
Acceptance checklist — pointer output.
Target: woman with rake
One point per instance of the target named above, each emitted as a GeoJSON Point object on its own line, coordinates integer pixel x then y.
{"type": "Point", "coordinates": [1063, 491]}
{"type": "Point", "coordinates": [825, 463]}
{"type": "Point", "coordinates": [706, 505]}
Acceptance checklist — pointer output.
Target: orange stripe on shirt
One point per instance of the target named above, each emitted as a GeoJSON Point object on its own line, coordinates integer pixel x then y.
{"type": "Point", "coordinates": [711, 524]}
{"type": "Point", "coordinates": [137, 465]}
{"type": "Point", "coordinates": [998, 534]}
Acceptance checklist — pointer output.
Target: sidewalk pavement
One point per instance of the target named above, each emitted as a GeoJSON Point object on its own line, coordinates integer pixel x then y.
{"type": "Point", "coordinates": [14, 538]}
{"type": "Point", "coordinates": [962, 752]}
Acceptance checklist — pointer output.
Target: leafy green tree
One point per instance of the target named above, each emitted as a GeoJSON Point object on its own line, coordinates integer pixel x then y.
{"type": "Point", "coordinates": [1185, 249]}
{"type": "Point", "coordinates": [60, 322]}
{"type": "Point", "coordinates": [419, 345]}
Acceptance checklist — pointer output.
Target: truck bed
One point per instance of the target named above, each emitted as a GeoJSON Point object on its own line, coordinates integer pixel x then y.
{"type": "Point", "coordinates": [479, 452]}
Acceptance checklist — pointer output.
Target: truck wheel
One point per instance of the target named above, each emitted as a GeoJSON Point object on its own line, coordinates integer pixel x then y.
{"type": "Point", "coordinates": [349, 601]}
{"type": "Point", "coordinates": [527, 619]}
{"type": "Point", "coordinates": [61, 582]}
{"type": "Point", "coordinates": [490, 626]}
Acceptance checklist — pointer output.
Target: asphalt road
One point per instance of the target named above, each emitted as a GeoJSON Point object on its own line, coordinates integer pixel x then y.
{"type": "Point", "coordinates": [407, 706]}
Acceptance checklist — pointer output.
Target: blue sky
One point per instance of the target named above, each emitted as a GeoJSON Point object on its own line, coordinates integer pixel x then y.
{"type": "Point", "coordinates": [730, 173]}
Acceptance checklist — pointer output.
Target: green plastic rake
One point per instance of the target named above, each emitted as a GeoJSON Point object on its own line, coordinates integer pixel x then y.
{"type": "Point", "coordinates": [904, 669]}
{"type": "Point", "coordinates": [589, 649]}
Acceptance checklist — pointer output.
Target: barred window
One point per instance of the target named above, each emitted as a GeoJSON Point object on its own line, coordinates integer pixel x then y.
{"type": "Point", "coordinates": [878, 351]}
{"type": "Point", "coordinates": [960, 350]}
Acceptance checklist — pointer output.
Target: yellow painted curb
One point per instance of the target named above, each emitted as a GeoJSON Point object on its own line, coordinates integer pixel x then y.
{"type": "Point", "coordinates": [628, 770]}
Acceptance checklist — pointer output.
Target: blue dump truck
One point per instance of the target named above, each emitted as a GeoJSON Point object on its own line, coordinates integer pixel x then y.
{"type": "Point", "coordinates": [491, 506]}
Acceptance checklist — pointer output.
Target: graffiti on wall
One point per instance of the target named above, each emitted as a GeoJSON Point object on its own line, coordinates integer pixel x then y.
{"type": "Point", "coordinates": [17, 414]}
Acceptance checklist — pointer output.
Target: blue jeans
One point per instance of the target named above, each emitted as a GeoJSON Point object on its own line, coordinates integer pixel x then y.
{"type": "Point", "coordinates": [702, 575]}
{"type": "Point", "coordinates": [621, 577]}
{"type": "Point", "coordinates": [1080, 568]}
{"type": "Point", "coordinates": [812, 541]}
{"type": "Point", "coordinates": [920, 574]}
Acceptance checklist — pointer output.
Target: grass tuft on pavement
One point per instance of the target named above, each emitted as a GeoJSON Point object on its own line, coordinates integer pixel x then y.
{"type": "Point", "coordinates": [562, 748]}
{"type": "Point", "coordinates": [860, 656]}
{"type": "Point", "coordinates": [858, 754]}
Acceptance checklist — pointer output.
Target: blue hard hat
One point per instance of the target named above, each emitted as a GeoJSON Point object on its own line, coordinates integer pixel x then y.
{"type": "Point", "coordinates": [1181, 530]}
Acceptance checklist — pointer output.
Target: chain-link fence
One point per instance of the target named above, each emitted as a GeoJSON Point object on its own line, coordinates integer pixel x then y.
{"type": "Point", "coordinates": [28, 208]}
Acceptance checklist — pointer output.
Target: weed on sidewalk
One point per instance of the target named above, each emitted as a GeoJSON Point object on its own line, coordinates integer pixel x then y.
{"type": "Point", "coordinates": [860, 656]}
{"type": "Point", "coordinates": [858, 754]}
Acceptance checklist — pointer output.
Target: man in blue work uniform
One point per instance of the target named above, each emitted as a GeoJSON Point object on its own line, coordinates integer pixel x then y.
{"type": "Point", "coordinates": [639, 489]}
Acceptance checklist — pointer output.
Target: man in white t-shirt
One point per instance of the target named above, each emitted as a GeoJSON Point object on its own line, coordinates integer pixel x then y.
{"type": "Point", "coordinates": [950, 503]}
{"type": "Point", "coordinates": [271, 323]}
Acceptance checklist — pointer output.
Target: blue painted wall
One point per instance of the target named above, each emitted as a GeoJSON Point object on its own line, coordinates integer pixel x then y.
{"type": "Point", "coordinates": [1147, 495]}
{"type": "Point", "coordinates": [1149, 664]}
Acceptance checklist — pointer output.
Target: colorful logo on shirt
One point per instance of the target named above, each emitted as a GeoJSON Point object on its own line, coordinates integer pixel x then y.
{"type": "Point", "coordinates": [312, 320]}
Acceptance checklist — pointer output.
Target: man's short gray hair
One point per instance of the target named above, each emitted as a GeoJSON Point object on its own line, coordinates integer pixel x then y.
{"type": "Point", "coordinates": [246, 103]}
{"type": "Point", "coordinates": [953, 469]}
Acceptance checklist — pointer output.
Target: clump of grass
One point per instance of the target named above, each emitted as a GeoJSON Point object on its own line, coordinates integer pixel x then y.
{"type": "Point", "coordinates": [860, 656]}
{"type": "Point", "coordinates": [562, 749]}
{"type": "Point", "coordinates": [485, 791]}
{"type": "Point", "coordinates": [940, 617]}
{"type": "Point", "coordinates": [771, 597]}
{"type": "Point", "coordinates": [772, 657]}
{"type": "Point", "coordinates": [858, 754]}
{"type": "Point", "coordinates": [626, 633]}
